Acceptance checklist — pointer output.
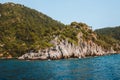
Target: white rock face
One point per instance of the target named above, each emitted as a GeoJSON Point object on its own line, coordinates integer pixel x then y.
{"type": "Point", "coordinates": [64, 49]}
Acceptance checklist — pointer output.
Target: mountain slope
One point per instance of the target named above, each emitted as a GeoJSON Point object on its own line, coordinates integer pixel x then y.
{"type": "Point", "coordinates": [24, 30]}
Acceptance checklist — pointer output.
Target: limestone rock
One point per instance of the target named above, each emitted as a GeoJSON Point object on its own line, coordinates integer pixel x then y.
{"type": "Point", "coordinates": [64, 49]}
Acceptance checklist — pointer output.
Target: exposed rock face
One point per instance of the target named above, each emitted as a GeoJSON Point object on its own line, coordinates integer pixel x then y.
{"type": "Point", "coordinates": [64, 49]}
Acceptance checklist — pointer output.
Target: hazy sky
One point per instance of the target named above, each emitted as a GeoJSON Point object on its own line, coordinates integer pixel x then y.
{"type": "Point", "coordinates": [96, 13]}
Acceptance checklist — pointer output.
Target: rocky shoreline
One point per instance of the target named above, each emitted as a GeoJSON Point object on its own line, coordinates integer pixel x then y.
{"type": "Point", "coordinates": [64, 49]}
{"type": "Point", "coordinates": [39, 58]}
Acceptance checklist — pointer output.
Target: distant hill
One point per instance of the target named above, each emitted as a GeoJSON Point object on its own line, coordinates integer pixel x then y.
{"type": "Point", "coordinates": [110, 35]}
{"type": "Point", "coordinates": [113, 32]}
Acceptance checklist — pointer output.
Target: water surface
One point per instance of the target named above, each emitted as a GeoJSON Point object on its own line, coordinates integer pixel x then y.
{"type": "Point", "coordinates": [95, 68]}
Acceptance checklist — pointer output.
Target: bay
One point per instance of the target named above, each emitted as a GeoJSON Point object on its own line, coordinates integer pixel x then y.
{"type": "Point", "coordinates": [93, 68]}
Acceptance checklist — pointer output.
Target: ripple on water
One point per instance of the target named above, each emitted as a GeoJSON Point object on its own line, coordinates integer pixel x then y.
{"type": "Point", "coordinates": [94, 68]}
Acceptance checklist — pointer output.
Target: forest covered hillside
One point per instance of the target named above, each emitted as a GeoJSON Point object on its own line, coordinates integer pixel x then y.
{"type": "Point", "coordinates": [113, 32]}
{"type": "Point", "coordinates": [23, 29]}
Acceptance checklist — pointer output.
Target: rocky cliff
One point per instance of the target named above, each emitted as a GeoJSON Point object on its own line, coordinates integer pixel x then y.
{"type": "Point", "coordinates": [65, 49]}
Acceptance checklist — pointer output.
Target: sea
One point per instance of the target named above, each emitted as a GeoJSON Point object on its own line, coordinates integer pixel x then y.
{"type": "Point", "coordinates": [92, 68]}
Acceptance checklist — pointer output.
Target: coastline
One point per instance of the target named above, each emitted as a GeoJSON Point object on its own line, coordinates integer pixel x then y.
{"type": "Point", "coordinates": [64, 50]}
{"type": "Point", "coordinates": [65, 58]}
{"type": "Point", "coordinates": [17, 58]}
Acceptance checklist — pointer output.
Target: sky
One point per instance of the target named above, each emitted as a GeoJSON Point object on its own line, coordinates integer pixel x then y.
{"type": "Point", "coordinates": [95, 13]}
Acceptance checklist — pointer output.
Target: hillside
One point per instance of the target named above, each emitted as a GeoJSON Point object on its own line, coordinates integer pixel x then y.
{"type": "Point", "coordinates": [24, 30]}
{"type": "Point", "coordinates": [110, 35]}
{"type": "Point", "coordinates": [113, 32]}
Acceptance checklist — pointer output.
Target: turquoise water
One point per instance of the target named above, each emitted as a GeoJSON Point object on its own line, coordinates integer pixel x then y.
{"type": "Point", "coordinates": [95, 68]}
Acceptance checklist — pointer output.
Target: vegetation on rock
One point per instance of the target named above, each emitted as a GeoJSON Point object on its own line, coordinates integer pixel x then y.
{"type": "Point", "coordinates": [109, 37]}
{"type": "Point", "coordinates": [23, 29]}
